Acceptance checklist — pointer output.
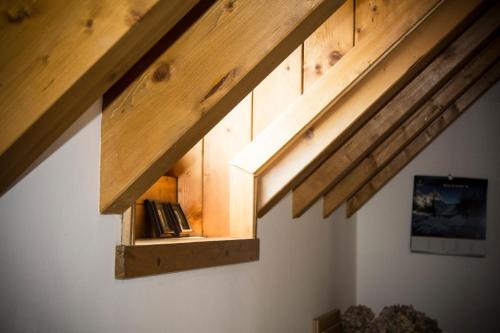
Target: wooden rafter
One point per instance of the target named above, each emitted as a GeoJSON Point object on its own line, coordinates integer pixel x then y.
{"type": "Point", "coordinates": [423, 140]}
{"type": "Point", "coordinates": [403, 105]}
{"type": "Point", "coordinates": [393, 144]}
{"type": "Point", "coordinates": [58, 57]}
{"type": "Point", "coordinates": [160, 116]}
{"type": "Point", "coordinates": [345, 115]}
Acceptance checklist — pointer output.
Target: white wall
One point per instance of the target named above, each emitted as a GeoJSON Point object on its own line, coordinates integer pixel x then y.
{"type": "Point", "coordinates": [462, 293]}
{"type": "Point", "coordinates": [57, 262]}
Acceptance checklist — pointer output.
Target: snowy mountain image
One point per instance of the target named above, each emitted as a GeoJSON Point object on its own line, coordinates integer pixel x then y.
{"type": "Point", "coordinates": [449, 208]}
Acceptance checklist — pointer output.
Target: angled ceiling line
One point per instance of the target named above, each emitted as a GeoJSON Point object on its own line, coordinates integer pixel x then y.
{"type": "Point", "coordinates": [399, 108]}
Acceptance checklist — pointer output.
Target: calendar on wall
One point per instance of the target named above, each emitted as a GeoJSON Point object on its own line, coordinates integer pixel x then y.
{"type": "Point", "coordinates": [449, 216]}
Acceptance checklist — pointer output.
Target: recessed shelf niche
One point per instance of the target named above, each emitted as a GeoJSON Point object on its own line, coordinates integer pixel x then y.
{"type": "Point", "coordinates": [203, 190]}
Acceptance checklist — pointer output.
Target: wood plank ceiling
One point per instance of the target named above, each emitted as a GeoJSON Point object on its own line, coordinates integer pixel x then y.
{"type": "Point", "coordinates": [354, 122]}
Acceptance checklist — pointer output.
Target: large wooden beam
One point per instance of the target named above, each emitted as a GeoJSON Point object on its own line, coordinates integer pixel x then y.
{"type": "Point", "coordinates": [423, 140]}
{"type": "Point", "coordinates": [346, 72]}
{"type": "Point", "coordinates": [192, 85]}
{"type": "Point", "coordinates": [404, 104]}
{"type": "Point", "coordinates": [58, 57]}
{"type": "Point", "coordinates": [346, 115]}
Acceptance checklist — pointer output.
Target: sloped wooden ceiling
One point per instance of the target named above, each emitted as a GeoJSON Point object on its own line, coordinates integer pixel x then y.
{"type": "Point", "coordinates": [352, 92]}
{"type": "Point", "coordinates": [397, 110]}
{"type": "Point", "coordinates": [58, 57]}
{"type": "Point", "coordinates": [377, 106]}
{"type": "Point", "coordinates": [192, 85]}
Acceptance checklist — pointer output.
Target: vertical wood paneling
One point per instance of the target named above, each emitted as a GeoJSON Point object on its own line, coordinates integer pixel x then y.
{"type": "Point", "coordinates": [226, 139]}
{"type": "Point", "coordinates": [332, 40]}
{"type": "Point", "coordinates": [277, 91]}
{"type": "Point", "coordinates": [188, 171]}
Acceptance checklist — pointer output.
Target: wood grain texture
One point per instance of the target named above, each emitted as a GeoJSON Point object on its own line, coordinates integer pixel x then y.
{"type": "Point", "coordinates": [223, 141]}
{"type": "Point", "coordinates": [275, 93]}
{"type": "Point", "coordinates": [59, 57]}
{"type": "Point", "coordinates": [335, 83]}
{"type": "Point", "coordinates": [344, 117]}
{"type": "Point", "coordinates": [326, 321]}
{"type": "Point", "coordinates": [159, 117]}
{"type": "Point", "coordinates": [372, 13]}
{"type": "Point", "coordinates": [189, 173]}
{"type": "Point", "coordinates": [242, 210]}
{"type": "Point", "coordinates": [136, 261]}
{"type": "Point", "coordinates": [328, 44]}
{"type": "Point", "coordinates": [385, 121]}
{"type": "Point", "coordinates": [128, 235]}
{"type": "Point", "coordinates": [409, 152]}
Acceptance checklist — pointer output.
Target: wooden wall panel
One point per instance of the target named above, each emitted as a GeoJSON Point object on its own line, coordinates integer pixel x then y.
{"type": "Point", "coordinates": [189, 173]}
{"type": "Point", "coordinates": [328, 44]}
{"type": "Point", "coordinates": [226, 139]}
{"type": "Point", "coordinates": [274, 94]}
{"type": "Point", "coordinates": [371, 13]}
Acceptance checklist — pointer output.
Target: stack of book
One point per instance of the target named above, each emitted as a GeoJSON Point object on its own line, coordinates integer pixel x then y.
{"type": "Point", "coordinates": [167, 218]}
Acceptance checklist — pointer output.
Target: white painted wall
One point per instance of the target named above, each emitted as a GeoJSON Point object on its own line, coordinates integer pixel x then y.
{"type": "Point", "coordinates": [57, 261]}
{"type": "Point", "coordinates": [462, 293]}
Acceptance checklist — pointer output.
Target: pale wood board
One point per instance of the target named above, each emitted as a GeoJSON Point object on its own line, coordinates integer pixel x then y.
{"type": "Point", "coordinates": [321, 50]}
{"type": "Point", "coordinates": [359, 61]}
{"type": "Point", "coordinates": [220, 145]}
{"type": "Point", "coordinates": [160, 116]}
{"type": "Point", "coordinates": [58, 57]}
{"type": "Point", "coordinates": [189, 173]}
{"type": "Point", "coordinates": [136, 261]}
{"type": "Point", "coordinates": [128, 237]}
{"type": "Point", "coordinates": [346, 116]}
{"type": "Point", "coordinates": [407, 101]}
{"type": "Point", "coordinates": [371, 13]}
{"type": "Point", "coordinates": [273, 95]}
{"type": "Point", "coordinates": [328, 44]}
{"type": "Point", "coordinates": [242, 210]}
{"type": "Point", "coordinates": [422, 140]}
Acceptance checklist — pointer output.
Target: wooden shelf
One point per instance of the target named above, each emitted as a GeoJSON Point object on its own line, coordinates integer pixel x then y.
{"type": "Point", "coordinates": [157, 241]}
{"type": "Point", "coordinates": [182, 254]}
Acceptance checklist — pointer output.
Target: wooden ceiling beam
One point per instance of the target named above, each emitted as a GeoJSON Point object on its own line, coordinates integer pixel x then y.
{"type": "Point", "coordinates": [344, 116]}
{"type": "Point", "coordinates": [403, 105]}
{"type": "Point", "coordinates": [192, 85]}
{"type": "Point", "coordinates": [58, 58]}
{"type": "Point", "coordinates": [413, 126]}
{"type": "Point", "coordinates": [423, 140]}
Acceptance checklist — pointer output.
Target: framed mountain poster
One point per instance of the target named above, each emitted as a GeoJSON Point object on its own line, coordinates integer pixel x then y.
{"type": "Point", "coordinates": [449, 215]}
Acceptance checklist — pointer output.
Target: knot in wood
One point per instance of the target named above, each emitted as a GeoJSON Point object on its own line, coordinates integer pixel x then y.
{"type": "Point", "coordinates": [18, 14]}
{"type": "Point", "coordinates": [161, 73]}
{"type": "Point", "coordinates": [333, 57]}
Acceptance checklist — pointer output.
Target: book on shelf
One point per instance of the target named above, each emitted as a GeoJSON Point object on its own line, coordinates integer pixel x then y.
{"type": "Point", "coordinates": [153, 217]}
{"type": "Point", "coordinates": [167, 219]}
